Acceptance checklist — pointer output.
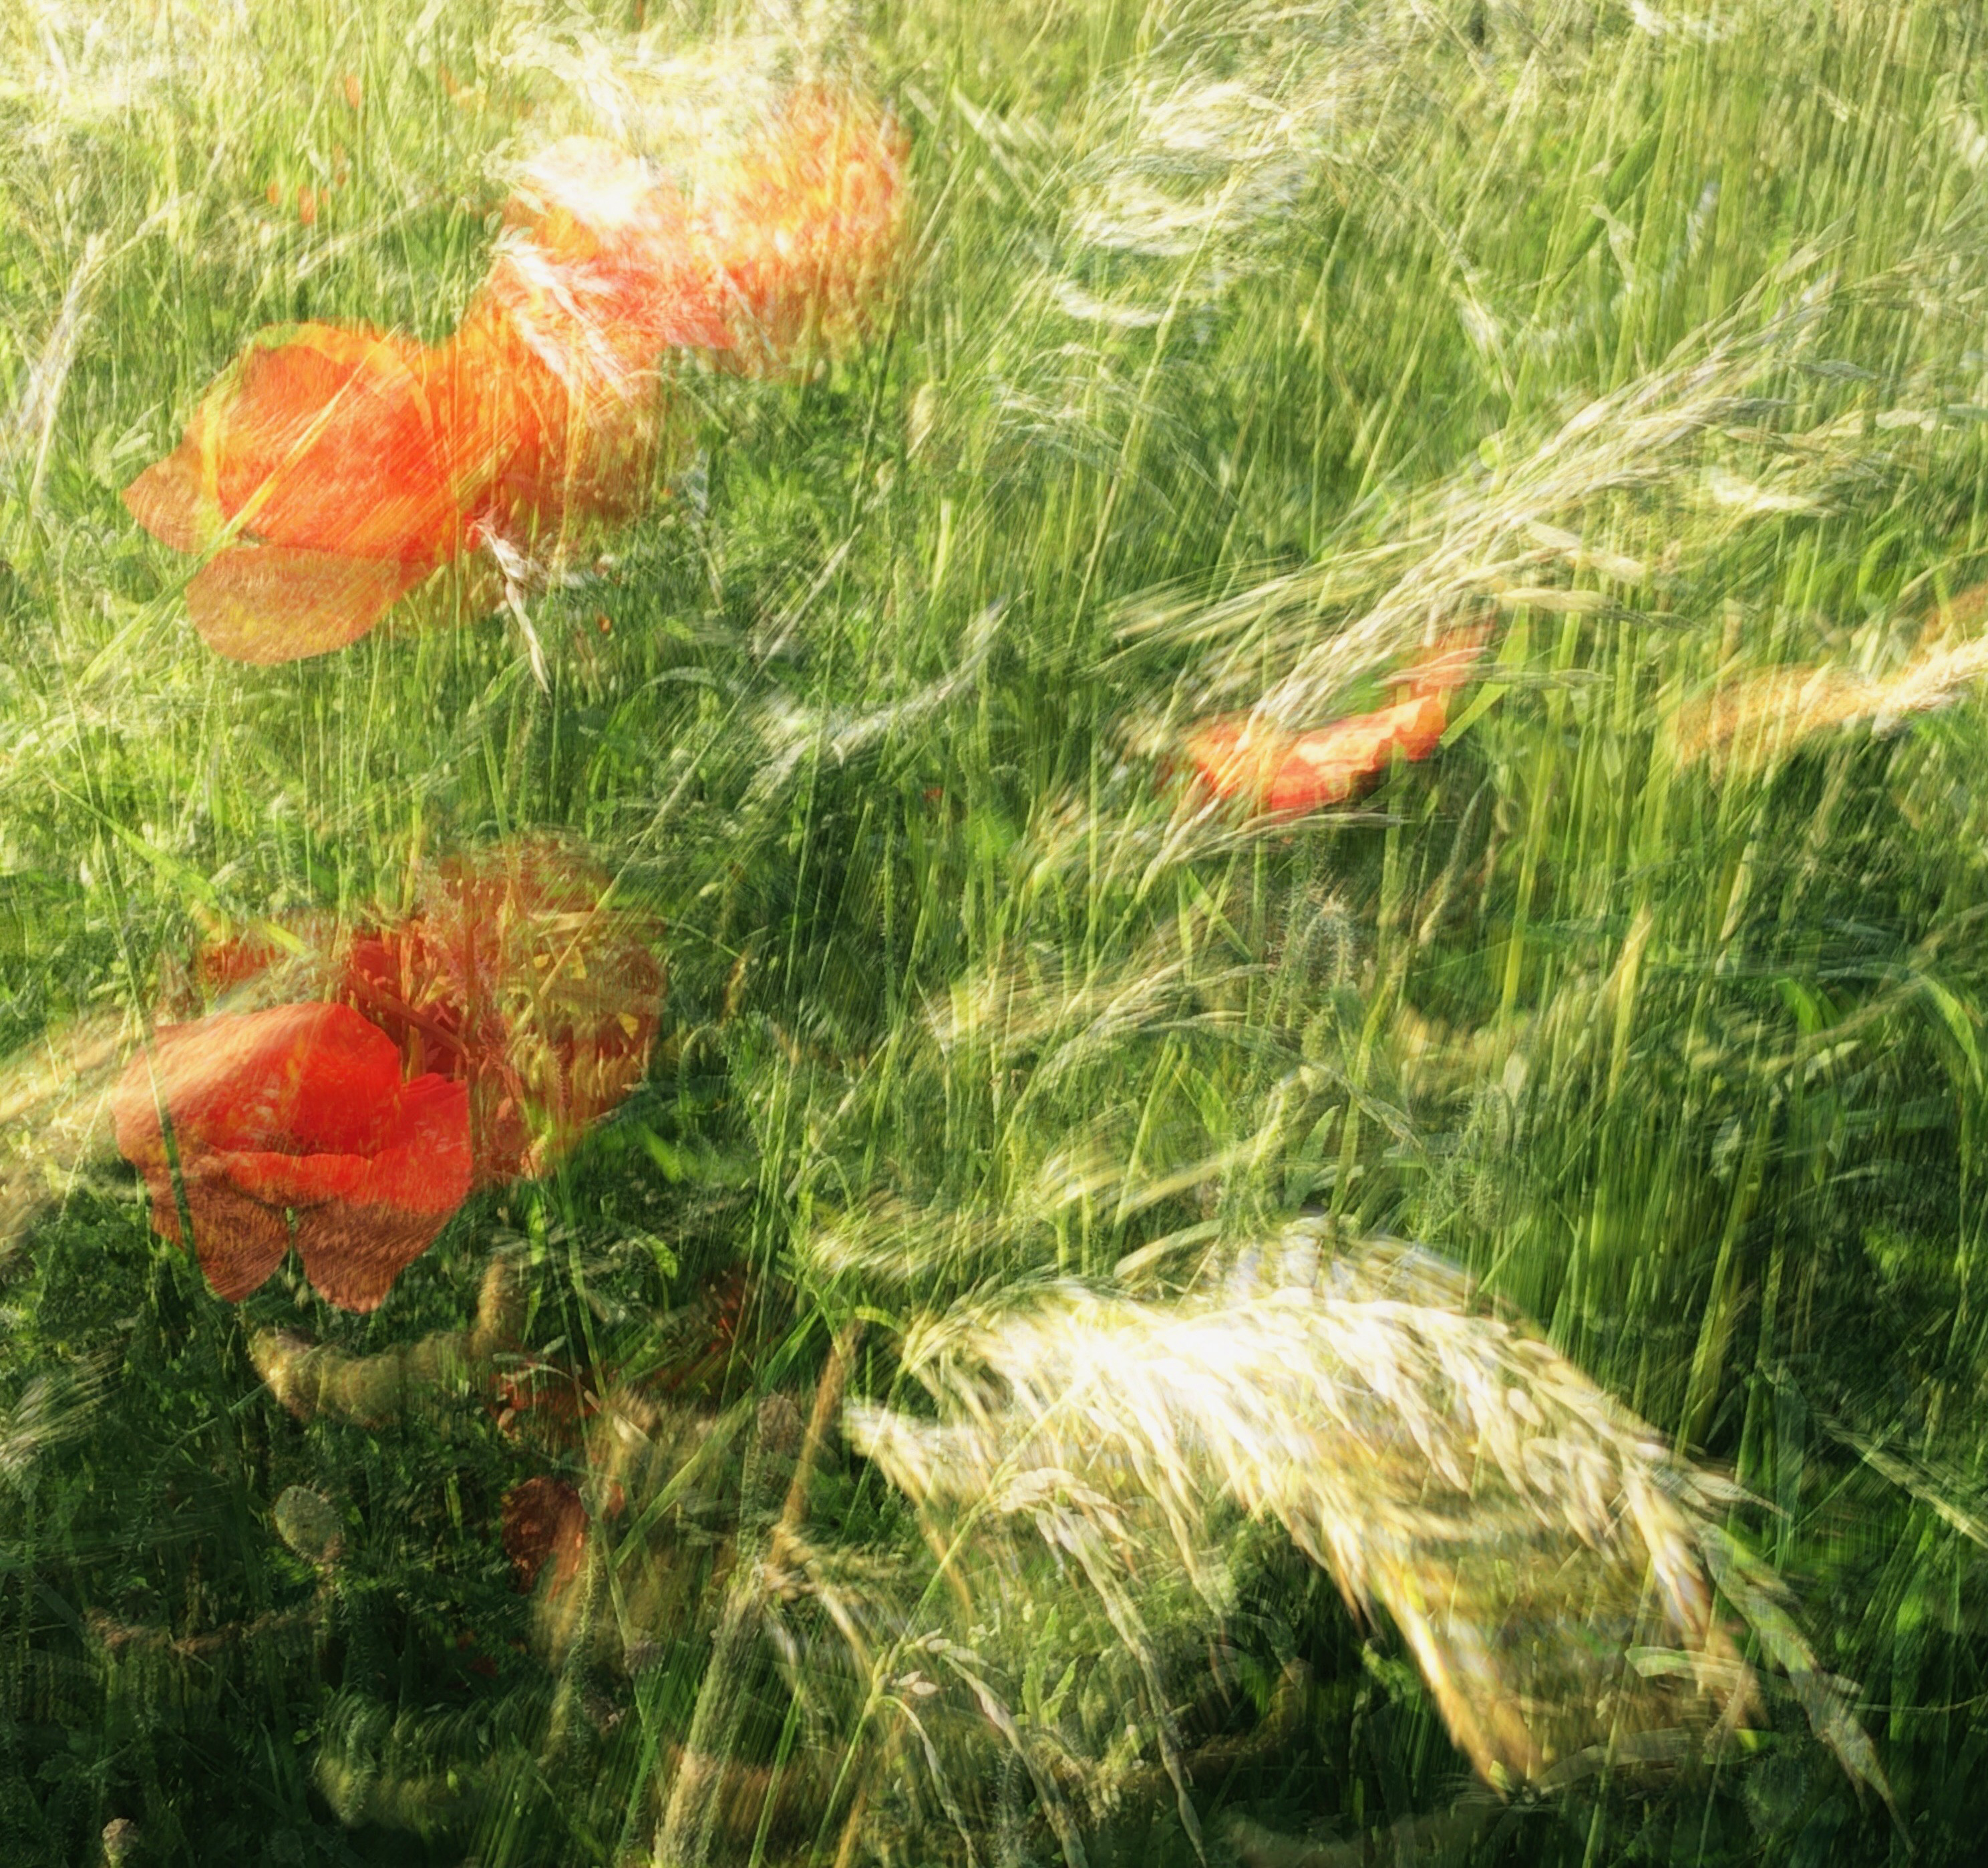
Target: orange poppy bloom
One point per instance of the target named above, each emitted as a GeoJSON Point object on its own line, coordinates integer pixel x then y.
{"type": "Point", "coordinates": [351, 464]}
{"type": "Point", "coordinates": [510, 978]}
{"type": "Point", "coordinates": [549, 385]}
{"type": "Point", "coordinates": [298, 1113]}
{"type": "Point", "coordinates": [806, 230]}
{"type": "Point", "coordinates": [320, 446]}
{"type": "Point", "coordinates": [1281, 773]}
{"type": "Point", "coordinates": [513, 979]}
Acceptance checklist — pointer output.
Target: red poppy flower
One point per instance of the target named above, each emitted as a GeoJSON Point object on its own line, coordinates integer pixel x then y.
{"type": "Point", "coordinates": [320, 446]}
{"type": "Point", "coordinates": [513, 979]}
{"type": "Point", "coordinates": [549, 386]}
{"type": "Point", "coordinates": [297, 1114]}
{"type": "Point", "coordinates": [1282, 773]}
{"type": "Point", "coordinates": [545, 434]}
{"type": "Point", "coordinates": [804, 234]}
{"type": "Point", "coordinates": [603, 269]}
{"type": "Point", "coordinates": [594, 268]}
{"type": "Point", "coordinates": [352, 464]}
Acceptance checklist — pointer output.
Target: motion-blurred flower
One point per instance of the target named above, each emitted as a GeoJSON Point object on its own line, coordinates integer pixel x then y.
{"type": "Point", "coordinates": [514, 978]}
{"type": "Point", "coordinates": [331, 471]}
{"type": "Point", "coordinates": [801, 239]}
{"type": "Point", "coordinates": [1241, 755]}
{"type": "Point", "coordinates": [513, 975]}
{"type": "Point", "coordinates": [319, 447]}
{"type": "Point", "coordinates": [294, 1117]}
{"type": "Point", "coordinates": [549, 386]}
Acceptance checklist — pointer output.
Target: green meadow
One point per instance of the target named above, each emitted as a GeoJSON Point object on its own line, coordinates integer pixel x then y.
{"type": "Point", "coordinates": [1240, 351]}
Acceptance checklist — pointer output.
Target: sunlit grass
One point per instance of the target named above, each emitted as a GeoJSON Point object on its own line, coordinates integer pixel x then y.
{"type": "Point", "coordinates": [1245, 352]}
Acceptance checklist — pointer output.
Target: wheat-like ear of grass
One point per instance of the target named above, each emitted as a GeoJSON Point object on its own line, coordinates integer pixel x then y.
{"type": "Point", "coordinates": [1554, 1568]}
{"type": "Point", "coordinates": [1748, 726]}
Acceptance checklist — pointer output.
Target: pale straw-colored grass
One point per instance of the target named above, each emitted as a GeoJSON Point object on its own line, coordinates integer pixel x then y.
{"type": "Point", "coordinates": [1554, 1569]}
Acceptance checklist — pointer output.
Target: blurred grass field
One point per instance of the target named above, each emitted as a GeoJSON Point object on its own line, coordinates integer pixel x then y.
{"type": "Point", "coordinates": [1245, 347]}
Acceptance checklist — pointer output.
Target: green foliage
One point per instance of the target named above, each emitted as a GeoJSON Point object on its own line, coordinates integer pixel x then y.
{"type": "Point", "coordinates": [1243, 344]}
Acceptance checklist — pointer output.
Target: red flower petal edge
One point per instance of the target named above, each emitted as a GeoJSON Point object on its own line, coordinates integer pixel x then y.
{"type": "Point", "coordinates": [514, 975]}
{"type": "Point", "coordinates": [272, 603]}
{"type": "Point", "coordinates": [1238, 755]}
{"type": "Point", "coordinates": [317, 438]}
{"type": "Point", "coordinates": [298, 1110]}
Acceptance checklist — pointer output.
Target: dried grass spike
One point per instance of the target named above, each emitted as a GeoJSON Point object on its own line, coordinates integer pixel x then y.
{"type": "Point", "coordinates": [1549, 1562]}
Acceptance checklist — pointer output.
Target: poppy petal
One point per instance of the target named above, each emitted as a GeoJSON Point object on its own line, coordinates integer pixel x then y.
{"type": "Point", "coordinates": [1325, 766]}
{"type": "Point", "coordinates": [238, 1240]}
{"type": "Point", "coordinates": [1321, 768]}
{"type": "Point", "coordinates": [352, 1252]}
{"type": "Point", "coordinates": [326, 437]}
{"type": "Point", "coordinates": [264, 1080]}
{"type": "Point", "coordinates": [1417, 725]}
{"type": "Point", "coordinates": [171, 500]}
{"type": "Point", "coordinates": [268, 603]}
{"type": "Point", "coordinates": [552, 391]}
{"type": "Point", "coordinates": [803, 235]}
{"type": "Point", "coordinates": [1236, 755]}
{"type": "Point", "coordinates": [516, 979]}
{"type": "Point", "coordinates": [296, 1110]}
{"type": "Point", "coordinates": [1239, 755]}
{"type": "Point", "coordinates": [499, 404]}
{"type": "Point", "coordinates": [597, 268]}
